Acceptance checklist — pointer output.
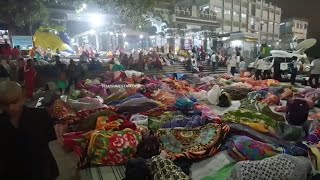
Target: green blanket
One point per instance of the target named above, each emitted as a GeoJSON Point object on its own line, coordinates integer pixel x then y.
{"type": "Point", "coordinates": [222, 174]}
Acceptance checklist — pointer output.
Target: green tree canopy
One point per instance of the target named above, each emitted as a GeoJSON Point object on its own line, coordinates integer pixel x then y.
{"type": "Point", "coordinates": [134, 13]}
{"type": "Point", "coordinates": [22, 12]}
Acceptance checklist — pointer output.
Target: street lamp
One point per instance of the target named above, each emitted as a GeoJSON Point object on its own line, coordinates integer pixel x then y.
{"type": "Point", "coordinates": [92, 32]}
{"type": "Point", "coordinates": [97, 20]}
{"type": "Point", "coordinates": [141, 36]}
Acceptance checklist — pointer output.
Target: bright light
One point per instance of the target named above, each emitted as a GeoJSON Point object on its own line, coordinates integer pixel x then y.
{"type": "Point", "coordinates": [269, 45]}
{"type": "Point", "coordinates": [126, 43]}
{"type": "Point", "coordinates": [281, 24]}
{"type": "Point", "coordinates": [117, 34]}
{"type": "Point", "coordinates": [111, 33]}
{"type": "Point", "coordinates": [141, 36]}
{"type": "Point", "coordinates": [124, 35]}
{"type": "Point", "coordinates": [225, 38]}
{"type": "Point", "coordinates": [92, 31]}
{"type": "Point", "coordinates": [96, 20]}
{"type": "Point", "coordinates": [236, 43]}
{"type": "Point", "coordinates": [280, 40]}
{"type": "Point", "coordinates": [140, 41]}
{"type": "Point", "coordinates": [206, 7]}
{"type": "Point", "coordinates": [84, 5]}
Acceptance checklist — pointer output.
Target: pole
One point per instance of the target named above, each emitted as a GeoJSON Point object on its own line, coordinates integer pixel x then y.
{"type": "Point", "coordinates": [97, 42]}
{"type": "Point", "coordinates": [261, 24]}
{"type": "Point", "coordinates": [147, 43]}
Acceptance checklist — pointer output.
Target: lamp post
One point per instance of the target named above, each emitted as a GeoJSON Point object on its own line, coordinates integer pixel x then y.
{"type": "Point", "coordinates": [261, 24]}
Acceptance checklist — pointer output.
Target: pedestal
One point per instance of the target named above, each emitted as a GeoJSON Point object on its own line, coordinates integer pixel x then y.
{"type": "Point", "coordinates": [171, 42]}
{"type": "Point", "coordinates": [120, 42]}
{"type": "Point", "coordinates": [182, 43]}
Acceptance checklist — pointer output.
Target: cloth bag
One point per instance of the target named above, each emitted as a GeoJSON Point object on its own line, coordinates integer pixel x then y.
{"type": "Point", "coordinates": [297, 111]}
{"type": "Point", "coordinates": [214, 94]}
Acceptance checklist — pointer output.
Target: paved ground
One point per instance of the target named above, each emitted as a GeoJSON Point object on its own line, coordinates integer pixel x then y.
{"type": "Point", "coordinates": [67, 162]}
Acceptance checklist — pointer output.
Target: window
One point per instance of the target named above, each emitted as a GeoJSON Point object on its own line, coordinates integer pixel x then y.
{"type": "Point", "coordinates": [305, 26]}
{"type": "Point", "coordinates": [243, 25]}
{"type": "Point", "coordinates": [243, 15]}
{"type": "Point", "coordinates": [227, 23]}
{"type": "Point", "coordinates": [228, 1]}
{"type": "Point", "coordinates": [235, 14]}
{"type": "Point", "coordinates": [217, 10]}
{"type": "Point", "coordinates": [237, 3]}
{"type": "Point", "coordinates": [245, 4]}
{"type": "Point", "coordinates": [227, 12]}
{"type": "Point", "coordinates": [235, 24]}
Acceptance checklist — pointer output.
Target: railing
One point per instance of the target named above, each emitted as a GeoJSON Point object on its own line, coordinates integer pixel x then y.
{"type": "Point", "coordinates": [201, 14]}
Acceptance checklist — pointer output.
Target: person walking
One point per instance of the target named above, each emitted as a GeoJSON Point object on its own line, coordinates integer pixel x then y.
{"type": "Point", "coordinates": [29, 78]}
{"type": "Point", "coordinates": [213, 61]}
{"type": "Point", "coordinates": [242, 67]}
{"type": "Point", "coordinates": [232, 63]}
{"type": "Point", "coordinates": [266, 69]}
{"type": "Point", "coordinates": [294, 69]}
{"type": "Point", "coordinates": [315, 72]}
{"type": "Point", "coordinates": [259, 65]}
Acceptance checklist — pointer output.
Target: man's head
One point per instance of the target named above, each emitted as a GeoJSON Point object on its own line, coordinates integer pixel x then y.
{"type": "Point", "coordinates": [294, 58]}
{"type": "Point", "coordinates": [11, 96]}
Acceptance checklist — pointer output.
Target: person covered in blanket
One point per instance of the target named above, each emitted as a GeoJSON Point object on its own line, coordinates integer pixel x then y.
{"type": "Point", "coordinates": [26, 132]}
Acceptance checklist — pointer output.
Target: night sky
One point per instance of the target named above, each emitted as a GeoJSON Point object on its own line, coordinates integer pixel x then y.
{"type": "Point", "coordinates": [306, 9]}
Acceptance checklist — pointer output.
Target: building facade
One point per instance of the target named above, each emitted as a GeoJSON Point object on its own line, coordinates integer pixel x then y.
{"type": "Point", "coordinates": [253, 16]}
{"type": "Point", "coordinates": [292, 31]}
{"type": "Point", "coordinates": [244, 23]}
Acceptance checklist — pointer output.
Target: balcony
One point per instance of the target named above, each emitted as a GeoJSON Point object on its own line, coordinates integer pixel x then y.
{"type": "Point", "coordinates": [193, 16]}
{"type": "Point", "coordinates": [201, 14]}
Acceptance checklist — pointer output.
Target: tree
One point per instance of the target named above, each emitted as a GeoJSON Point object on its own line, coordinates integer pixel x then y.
{"type": "Point", "coordinates": [22, 13]}
{"type": "Point", "coordinates": [134, 13]}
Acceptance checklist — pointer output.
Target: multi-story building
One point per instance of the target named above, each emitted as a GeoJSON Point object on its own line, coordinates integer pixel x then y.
{"type": "Point", "coordinates": [293, 30]}
{"type": "Point", "coordinates": [244, 23]}
{"type": "Point", "coordinates": [249, 22]}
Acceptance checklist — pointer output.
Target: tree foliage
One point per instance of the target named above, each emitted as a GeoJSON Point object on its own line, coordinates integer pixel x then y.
{"type": "Point", "coordinates": [22, 12]}
{"type": "Point", "coordinates": [134, 13]}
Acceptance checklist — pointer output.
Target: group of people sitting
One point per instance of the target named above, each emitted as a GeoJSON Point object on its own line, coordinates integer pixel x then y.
{"type": "Point", "coordinates": [145, 61]}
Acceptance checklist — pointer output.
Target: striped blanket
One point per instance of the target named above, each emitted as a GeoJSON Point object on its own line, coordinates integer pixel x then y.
{"type": "Point", "coordinates": [103, 173]}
